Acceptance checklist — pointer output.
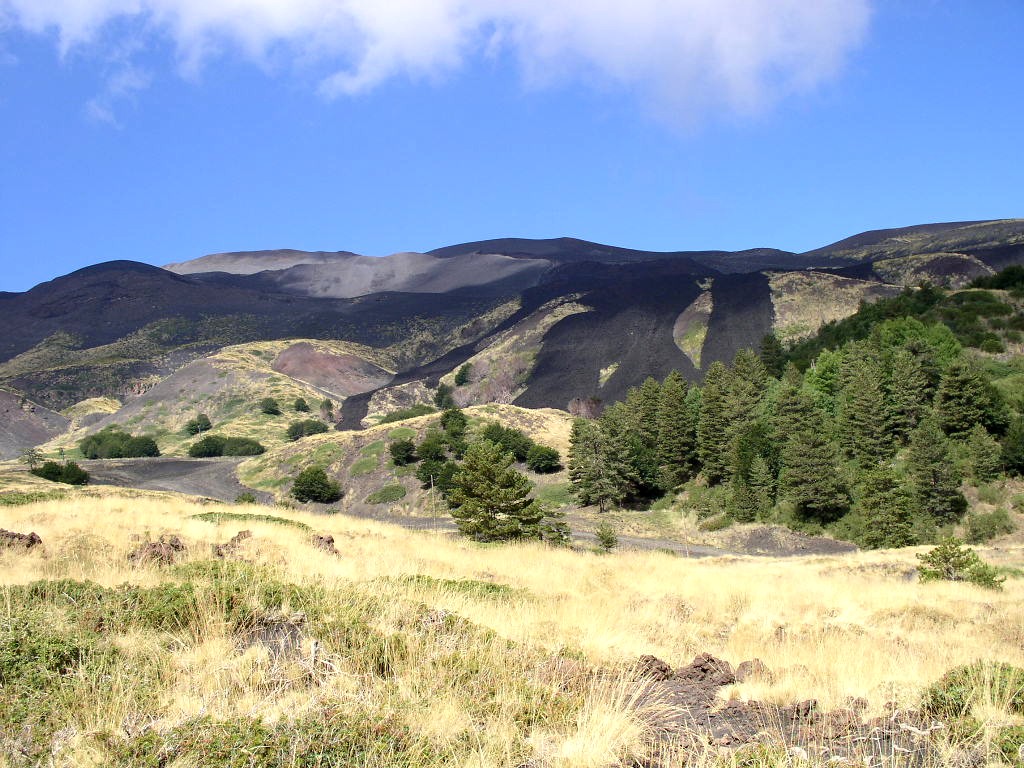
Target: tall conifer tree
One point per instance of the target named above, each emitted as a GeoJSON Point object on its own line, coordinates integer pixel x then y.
{"type": "Point", "coordinates": [934, 475]}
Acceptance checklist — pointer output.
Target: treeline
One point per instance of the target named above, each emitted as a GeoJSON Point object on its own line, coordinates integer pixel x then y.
{"type": "Point", "coordinates": [871, 441]}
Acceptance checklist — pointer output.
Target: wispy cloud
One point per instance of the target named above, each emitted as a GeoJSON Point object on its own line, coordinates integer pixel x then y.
{"type": "Point", "coordinates": [683, 58]}
{"type": "Point", "coordinates": [122, 84]}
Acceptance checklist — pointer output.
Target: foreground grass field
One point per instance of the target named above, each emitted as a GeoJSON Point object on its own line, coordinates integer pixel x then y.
{"type": "Point", "coordinates": [411, 649]}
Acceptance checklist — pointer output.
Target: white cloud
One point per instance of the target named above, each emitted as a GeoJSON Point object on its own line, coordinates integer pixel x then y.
{"type": "Point", "coordinates": [681, 56]}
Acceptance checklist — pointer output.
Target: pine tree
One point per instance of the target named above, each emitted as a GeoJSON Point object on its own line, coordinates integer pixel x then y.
{"type": "Point", "coordinates": [747, 386]}
{"type": "Point", "coordinates": [886, 510]}
{"type": "Point", "coordinates": [983, 455]}
{"type": "Point", "coordinates": [907, 390]}
{"type": "Point", "coordinates": [634, 424]}
{"type": "Point", "coordinates": [490, 500]}
{"type": "Point", "coordinates": [762, 483]}
{"type": "Point", "coordinates": [935, 478]}
{"type": "Point", "coordinates": [677, 439]}
{"type": "Point", "coordinates": [810, 476]}
{"type": "Point", "coordinates": [712, 433]}
{"type": "Point", "coordinates": [794, 411]}
{"type": "Point", "coordinates": [965, 398]}
{"type": "Point", "coordinates": [862, 415]}
{"type": "Point", "coordinates": [743, 503]}
{"type": "Point", "coordinates": [1013, 447]}
{"type": "Point", "coordinates": [599, 473]}
{"type": "Point", "coordinates": [773, 356]}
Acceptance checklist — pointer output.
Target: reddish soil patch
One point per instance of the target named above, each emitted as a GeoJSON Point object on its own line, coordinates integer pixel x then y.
{"type": "Point", "coordinates": [343, 374]}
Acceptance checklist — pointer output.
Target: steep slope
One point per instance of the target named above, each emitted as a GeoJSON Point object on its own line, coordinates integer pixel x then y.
{"type": "Point", "coordinates": [24, 425]}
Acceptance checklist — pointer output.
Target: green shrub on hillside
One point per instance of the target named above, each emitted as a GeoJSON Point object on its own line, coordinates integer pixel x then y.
{"type": "Point", "coordinates": [270, 406]}
{"type": "Point", "coordinates": [201, 423]}
{"type": "Point", "coordinates": [69, 473]}
{"type": "Point", "coordinates": [217, 445]}
{"type": "Point", "coordinates": [984, 682]}
{"type": "Point", "coordinates": [300, 405]}
{"type": "Point", "coordinates": [402, 452]}
{"type": "Point", "coordinates": [543, 459]}
{"type": "Point", "coordinates": [312, 484]}
{"type": "Point", "coordinates": [305, 428]}
{"type": "Point", "coordinates": [462, 375]}
{"type": "Point", "coordinates": [114, 443]}
{"type": "Point", "coordinates": [985, 526]}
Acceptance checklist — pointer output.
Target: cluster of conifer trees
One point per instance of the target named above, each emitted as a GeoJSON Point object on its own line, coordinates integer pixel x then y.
{"type": "Point", "coordinates": [873, 440]}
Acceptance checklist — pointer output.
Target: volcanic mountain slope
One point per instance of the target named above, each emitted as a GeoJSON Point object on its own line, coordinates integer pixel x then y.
{"type": "Point", "coordinates": [541, 322]}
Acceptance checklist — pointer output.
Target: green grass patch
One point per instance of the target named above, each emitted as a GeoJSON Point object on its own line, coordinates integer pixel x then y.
{"type": "Point", "coordinates": [387, 494]}
{"type": "Point", "coordinates": [374, 449]}
{"type": "Point", "coordinates": [248, 517]}
{"type": "Point", "coordinates": [407, 413]}
{"type": "Point", "coordinates": [556, 494]}
{"type": "Point", "coordinates": [470, 587]}
{"type": "Point", "coordinates": [402, 433]}
{"type": "Point", "coordinates": [19, 498]}
{"type": "Point", "coordinates": [364, 466]}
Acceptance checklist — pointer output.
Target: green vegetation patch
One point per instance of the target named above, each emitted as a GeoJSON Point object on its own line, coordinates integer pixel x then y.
{"type": "Point", "coordinates": [247, 517]}
{"type": "Point", "coordinates": [470, 587]}
{"type": "Point", "coordinates": [374, 449]}
{"type": "Point", "coordinates": [387, 494]}
{"type": "Point", "coordinates": [364, 466]}
{"type": "Point", "coordinates": [20, 498]}
{"type": "Point", "coordinates": [420, 409]}
{"type": "Point", "coordinates": [556, 494]}
{"type": "Point", "coordinates": [402, 433]}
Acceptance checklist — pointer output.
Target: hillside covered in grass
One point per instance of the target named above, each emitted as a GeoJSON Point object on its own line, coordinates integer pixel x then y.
{"type": "Point", "coordinates": [406, 648]}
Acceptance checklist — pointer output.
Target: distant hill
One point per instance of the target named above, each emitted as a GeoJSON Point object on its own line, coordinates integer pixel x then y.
{"type": "Point", "coordinates": [542, 323]}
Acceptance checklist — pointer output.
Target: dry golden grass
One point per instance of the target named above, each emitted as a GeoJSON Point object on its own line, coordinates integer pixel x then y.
{"type": "Point", "coordinates": [805, 301]}
{"type": "Point", "coordinates": [830, 627]}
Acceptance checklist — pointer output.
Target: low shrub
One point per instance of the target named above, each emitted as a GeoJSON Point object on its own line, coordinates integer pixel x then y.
{"type": "Point", "coordinates": [606, 537]}
{"type": "Point", "coordinates": [543, 459]}
{"type": "Point", "coordinates": [244, 517]}
{"type": "Point", "coordinates": [983, 682]}
{"type": "Point", "coordinates": [68, 473]}
{"type": "Point", "coordinates": [951, 561]}
{"type": "Point", "coordinates": [270, 407]}
{"type": "Point", "coordinates": [200, 423]}
{"type": "Point", "coordinates": [300, 405]}
{"type": "Point", "coordinates": [305, 428]}
{"type": "Point", "coordinates": [312, 484]}
{"type": "Point", "coordinates": [402, 452]}
{"type": "Point", "coordinates": [1009, 741]}
{"type": "Point", "coordinates": [985, 526]}
{"type": "Point", "coordinates": [212, 446]}
{"type": "Point", "coordinates": [114, 443]}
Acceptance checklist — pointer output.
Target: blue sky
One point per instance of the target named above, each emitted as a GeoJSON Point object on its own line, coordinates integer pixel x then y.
{"type": "Point", "coordinates": [162, 130]}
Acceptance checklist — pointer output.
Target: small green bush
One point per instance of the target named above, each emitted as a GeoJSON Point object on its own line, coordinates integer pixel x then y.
{"type": "Point", "coordinates": [402, 452]}
{"type": "Point", "coordinates": [69, 473]}
{"type": "Point", "coordinates": [112, 442]}
{"type": "Point", "coordinates": [606, 537]}
{"type": "Point", "coordinates": [216, 445]}
{"type": "Point", "coordinates": [245, 498]}
{"type": "Point", "coordinates": [270, 406]}
{"type": "Point", "coordinates": [301, 405]}
{"type": "Point", "coordinates": [305, 428]}
{"type": "Point", "coordinates": [387, 494]}
{"type": "Point", "coordinates": [983, 682]}
{"type": "Point", "coordinates": [951, 561]}
{"type": "Point", "coordinates": [243, 446]}
{"type": "Point", "coordinates": [200, 423]}
{"type": "Point", "coordinates": [511, 440]}
{"type": "Point", "coordinates": [543, 459]}
{"type": "Point", "coordinates": [312, 484]}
